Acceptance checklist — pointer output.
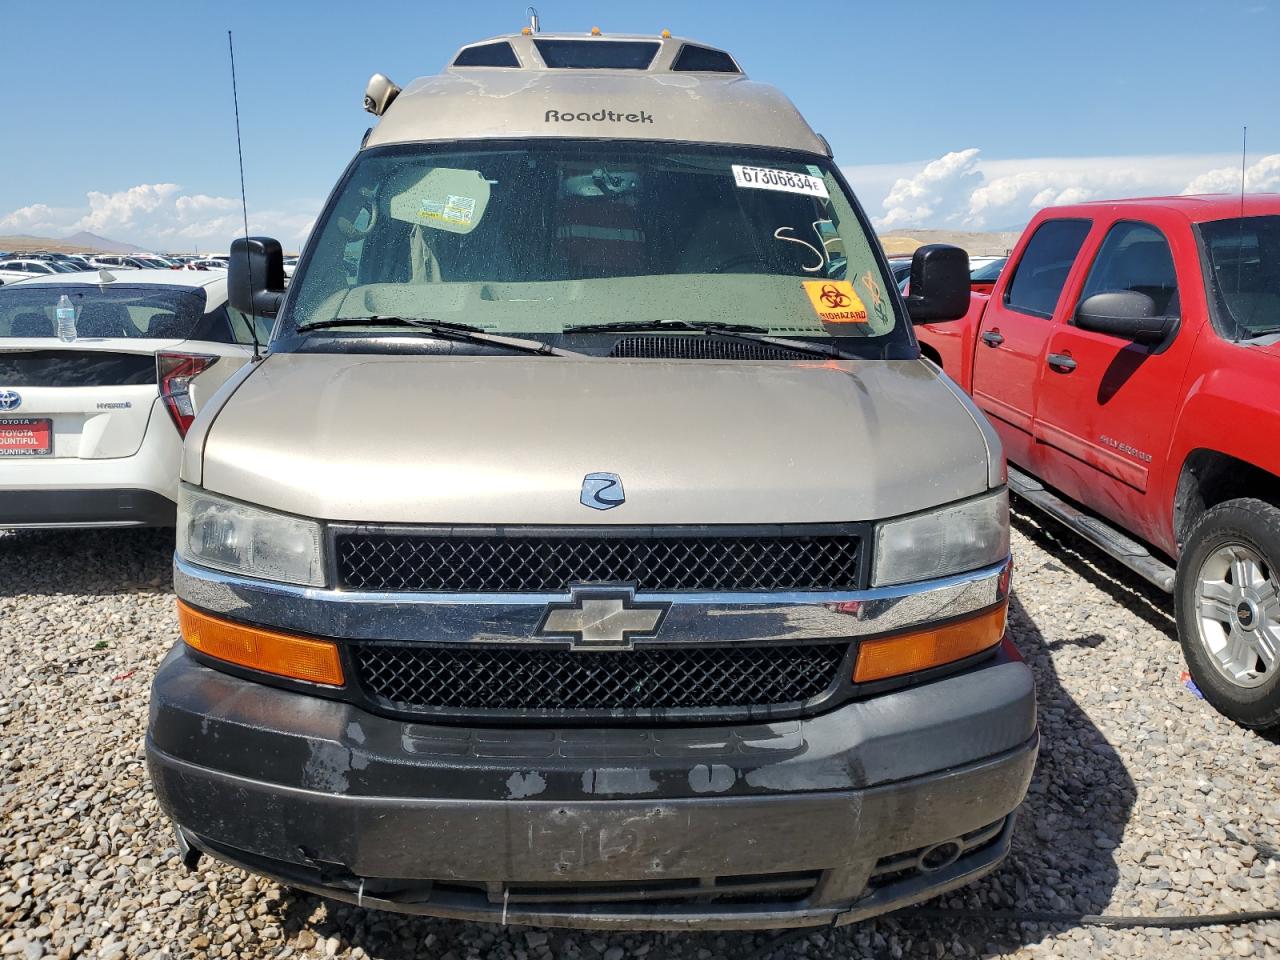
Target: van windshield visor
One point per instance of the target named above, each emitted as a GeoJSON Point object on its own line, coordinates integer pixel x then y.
{"type": "Point", "coordinates": [534, 238]}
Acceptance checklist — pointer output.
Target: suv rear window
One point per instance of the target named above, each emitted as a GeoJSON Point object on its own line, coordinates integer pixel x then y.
{"type": "Point", "coordinates": [1042, 271]}
{"type": "Point", "coordinates": [167, 313]}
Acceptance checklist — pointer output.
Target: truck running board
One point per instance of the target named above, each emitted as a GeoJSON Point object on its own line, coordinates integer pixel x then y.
{"type": "Point", "coordinates": [1102, 535]}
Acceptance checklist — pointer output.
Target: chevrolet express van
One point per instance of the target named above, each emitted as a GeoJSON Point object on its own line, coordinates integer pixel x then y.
{"type": "Point", "coordinates": [594, 547]}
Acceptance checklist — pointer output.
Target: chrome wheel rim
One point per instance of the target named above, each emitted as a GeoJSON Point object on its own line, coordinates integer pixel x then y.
{"type": "Point", "coordinates": [1238, 614]}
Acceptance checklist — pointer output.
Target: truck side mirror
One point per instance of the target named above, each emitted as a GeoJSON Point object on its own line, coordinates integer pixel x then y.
{"type": "Point", "coordinates": [1128, 314]}
{"type": "Point", "coordinates": [255, 276]}
{"type": "Point", "coordinates": [939, 284]}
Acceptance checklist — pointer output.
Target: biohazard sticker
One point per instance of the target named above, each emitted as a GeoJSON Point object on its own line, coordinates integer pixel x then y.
{"type": "Point", "coordinates": [835, 301]}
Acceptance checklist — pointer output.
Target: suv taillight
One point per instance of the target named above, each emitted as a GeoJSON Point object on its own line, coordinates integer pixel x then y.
{"type": "Point", "coordinates": [175, 371]}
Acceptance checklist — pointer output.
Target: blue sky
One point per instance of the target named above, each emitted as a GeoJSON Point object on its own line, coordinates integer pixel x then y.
{"type": "Point", "coordinates": [942, 113]}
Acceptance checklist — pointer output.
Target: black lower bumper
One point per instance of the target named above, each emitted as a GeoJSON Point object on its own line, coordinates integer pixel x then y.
{"type": "Point", "coordinates": [824, 820]}
{"type": "Point", "coordinates": [112, 507]}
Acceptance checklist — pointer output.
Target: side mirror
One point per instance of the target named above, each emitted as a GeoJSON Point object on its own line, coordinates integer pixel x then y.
{"type": "Point", "coordinates": [379, 93]}
{"type": "Point", "coordinates": [255, 276]}
{"type": "Point", "coordinates": [1124, 313]}
{"type": "Point", "coordinates": [939, 284]}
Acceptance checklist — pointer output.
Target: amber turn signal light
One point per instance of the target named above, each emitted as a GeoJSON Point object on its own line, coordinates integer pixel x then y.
{"type": "Point", "coordinates": [921, 649]}
{"type": "Point", "coordinates": [298, 658]}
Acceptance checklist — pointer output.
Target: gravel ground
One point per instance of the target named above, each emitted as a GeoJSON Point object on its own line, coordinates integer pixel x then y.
{"type": "Point", "coordinates": [1144, 800]}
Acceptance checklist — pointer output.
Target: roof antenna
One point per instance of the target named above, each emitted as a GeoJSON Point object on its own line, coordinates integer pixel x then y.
{"type": "Point", "coordinates": [244, 203]}
{"type": "Point", "coordinates": [533, 19]}
{"type": "Point", "coordinates": [1244, 153]}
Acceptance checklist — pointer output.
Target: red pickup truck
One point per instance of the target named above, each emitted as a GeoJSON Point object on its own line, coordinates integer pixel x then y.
{"type": "Point", "coordinates": [1129, 357]}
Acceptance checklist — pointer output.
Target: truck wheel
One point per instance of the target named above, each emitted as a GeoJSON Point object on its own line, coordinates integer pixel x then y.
{"type": "Point", "coordinates": [1228, 607]}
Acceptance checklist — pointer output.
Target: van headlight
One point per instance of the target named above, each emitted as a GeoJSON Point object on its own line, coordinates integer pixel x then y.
{"type": "Point", "coordinates": [228, 535]}
{"type": "Point", "coordinates": [953, 539]}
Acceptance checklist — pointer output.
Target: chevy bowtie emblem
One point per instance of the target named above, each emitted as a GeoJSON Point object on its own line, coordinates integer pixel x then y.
{"type": "Point", "coordinates": [602, 618]}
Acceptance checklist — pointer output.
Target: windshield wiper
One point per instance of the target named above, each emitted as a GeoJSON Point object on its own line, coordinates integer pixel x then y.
{"type": "Point", "coordinates": [444, 330]}
{"type": "Point", "coordinates": [730, 331]}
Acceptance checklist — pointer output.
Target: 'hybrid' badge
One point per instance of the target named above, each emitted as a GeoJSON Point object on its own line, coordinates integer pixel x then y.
{"type": "Point", "coordinates": [602, 491]}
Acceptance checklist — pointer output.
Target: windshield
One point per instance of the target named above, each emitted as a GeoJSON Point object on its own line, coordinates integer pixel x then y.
{"type": "Point", "coordinates": [988, 272]}
{"type": "Point", "coordinates": [536, 237]}
{"type": "Point", "coordinates": [1242, 273]}
{"type": "Point", "coordinates": [164, 312]}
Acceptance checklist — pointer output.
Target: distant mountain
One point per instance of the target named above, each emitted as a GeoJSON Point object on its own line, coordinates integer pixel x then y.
{"type": "Point", "coordinates": [99, 244]}
{"type": "Point", "coordinates": [81, 242]}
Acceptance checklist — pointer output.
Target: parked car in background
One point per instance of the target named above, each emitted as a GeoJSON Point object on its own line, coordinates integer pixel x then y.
{"type": "Point", "coordinates": [111, 261]}
{"type": "Point", "coordinates": [900, 268]}
{"type": "Point", "coordinates": [130, 262]}
{"type": "Point", "coordinates": [1129, 356]}
{"type": "Point", "coordinates": [984, 272]}
{"type": "Point", "coordinates": [209, 264]}
{"type": "Point", "coordinates": [35, 268]}
{"type": "Point", "coordinates": [91, 430]}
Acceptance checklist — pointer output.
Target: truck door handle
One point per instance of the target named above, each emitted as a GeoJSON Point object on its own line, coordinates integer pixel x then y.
{"type": "Point", "coordinates": [1061, 362]}
{"type": "Point", "coordinates": [992, 338]}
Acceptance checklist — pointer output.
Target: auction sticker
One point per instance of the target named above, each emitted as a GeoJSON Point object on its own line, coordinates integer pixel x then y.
{"type": "Point", "coordinates": [456, 210]}
{"type": "Point", "coordinates": [835, 301]}
{"type": "Point", "coordinates": [766, 178]}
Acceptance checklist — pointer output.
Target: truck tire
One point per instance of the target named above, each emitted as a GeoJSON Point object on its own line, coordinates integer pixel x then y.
{"type": "Point", "coordinates": [1227, 599]}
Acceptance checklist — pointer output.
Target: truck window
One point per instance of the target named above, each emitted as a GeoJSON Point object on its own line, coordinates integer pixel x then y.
{"type": "Point", "coordinates": [1135, 256]}
{"type": "Point", "coordinates": [1041, 273]}
{"type": "Point", "coordinates": [1242, 275]}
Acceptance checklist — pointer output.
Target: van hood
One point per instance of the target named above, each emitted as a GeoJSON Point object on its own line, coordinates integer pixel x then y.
{"type": "Point", "coordinates": [508, 440]}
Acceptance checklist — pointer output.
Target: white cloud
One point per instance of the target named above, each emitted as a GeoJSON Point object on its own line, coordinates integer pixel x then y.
{"type": "Point", "coordinates": [962, 190]}
{"type": "Point", "coordinates": [35, 219]}
{"type": "Point", "coordinates": [918, 199]}
{"type": "Point", "coordinates": [1259, 177]}
{"type": "Point", "coordinates": [161, 216]}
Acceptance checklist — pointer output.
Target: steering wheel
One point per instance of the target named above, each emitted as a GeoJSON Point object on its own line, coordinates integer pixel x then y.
{"type": "Point", "coordinates": [739, 260]}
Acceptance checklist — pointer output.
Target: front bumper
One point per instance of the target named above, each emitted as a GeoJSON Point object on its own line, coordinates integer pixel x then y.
{"type": "Point", "coordinates": [826, 819]}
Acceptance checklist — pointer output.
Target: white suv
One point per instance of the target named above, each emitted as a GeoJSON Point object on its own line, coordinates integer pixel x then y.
{"type": "Point", "coordinates": [91, 430]}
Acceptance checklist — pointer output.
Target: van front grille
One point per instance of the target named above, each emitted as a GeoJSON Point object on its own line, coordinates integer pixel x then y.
{"type": "Point", "coordinates": [419, 678]}
{"type": "Point", "coordinates": [540, 563]}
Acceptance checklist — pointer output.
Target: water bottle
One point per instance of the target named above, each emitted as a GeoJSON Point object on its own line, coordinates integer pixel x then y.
{"type": "Point", "coordinates": [66, 319]}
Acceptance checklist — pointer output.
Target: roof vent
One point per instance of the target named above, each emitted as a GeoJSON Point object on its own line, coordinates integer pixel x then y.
{"type": "Point", "coordinates": [487, 55]}
{"type": "Point", "coordinates": [596, 54]}
{"type": "Point", "coordinates": [693, 58]}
